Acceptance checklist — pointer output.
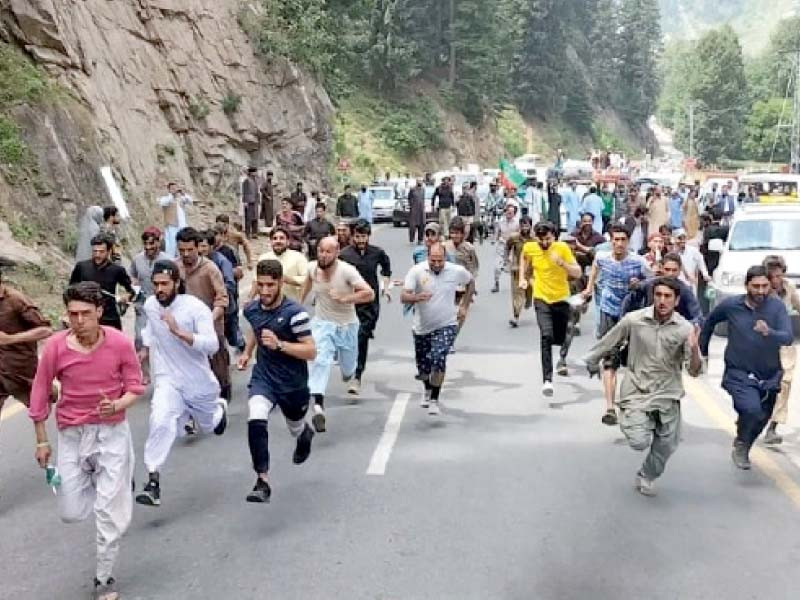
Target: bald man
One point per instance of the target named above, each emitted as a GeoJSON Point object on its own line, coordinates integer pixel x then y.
{"type": "Point", "coordinates": [337, 287]}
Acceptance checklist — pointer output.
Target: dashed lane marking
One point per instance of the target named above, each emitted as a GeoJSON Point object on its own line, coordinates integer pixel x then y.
{"type": "Point", "coordinates": [383, 451]}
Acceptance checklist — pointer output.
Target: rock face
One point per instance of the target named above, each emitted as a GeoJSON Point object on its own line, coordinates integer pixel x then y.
{"type": "Point", "coordinates": [174, 91]}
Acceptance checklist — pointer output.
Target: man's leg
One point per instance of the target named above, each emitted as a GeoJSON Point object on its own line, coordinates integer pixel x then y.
{"type": "Point", "coordinates": [220, 365]}
{"type": "Point", "coordinates": [441, 341]}
{"type": "Point", "coordinates": [368, 318]}
{"type": "Point", "coordinates": [422, 357]}
{"type": "Point", "coordinates": [638, 427]}
{"type": "Point", "coordinates": [780, 413]}
{"type": "Point", "coordinates": [499, 263]}
{"type": "Point", "coordinates": [560, 315]}
{"type": "Point", "coordinates": [258, 441]}
{"type": "Point", "coordinates": [294, 407]}
{"type": "Point", "coordinates": [76, 494]}
{"type": "Point", "coordinates": [667, 433]}
{"type": "Point", "coordinates": [544, 318]}
{"type": "Point", "coordinates": [347, 346]}
{"type": "Point", "coordinates": [113, 507]}
{"type": "Point", "coordinates": [319, 370]}
{"type": "Point", "coordinates": [611, 364]}
{"type": "Point", "coordinates": [517, 298]}
{"type": "Point", "coordinates": [754, 408]}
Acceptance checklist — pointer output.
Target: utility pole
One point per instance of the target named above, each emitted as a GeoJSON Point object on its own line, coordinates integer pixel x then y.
{"type": "Point", "coordinates": [691, 129]}
{"type": "Point", "coordinates": [795, 137]}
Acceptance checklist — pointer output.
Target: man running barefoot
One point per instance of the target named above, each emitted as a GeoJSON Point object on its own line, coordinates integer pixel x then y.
{"type": "Point", "coordinates": [431, 287]}
{"type": "Point", "coordinates": [660, 343]}
{"type": "Point", "coordinates": [552, 265]}
{"type": "Point", "coordinates": [179, 338]}
{"type": "Point", "coordinates": [282, 333]}
{"type": "Point", "coordinates": [338, 288]}
{"type": "Point", "coordinates": [100, 378]}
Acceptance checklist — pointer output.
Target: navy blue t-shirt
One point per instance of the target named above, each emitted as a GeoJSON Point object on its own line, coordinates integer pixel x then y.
{"type": "Point", "coordinates": [276, 372]}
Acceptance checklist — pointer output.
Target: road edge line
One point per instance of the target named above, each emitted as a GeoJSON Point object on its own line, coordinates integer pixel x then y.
{"type": "Point", "coordinates": [383, 451]}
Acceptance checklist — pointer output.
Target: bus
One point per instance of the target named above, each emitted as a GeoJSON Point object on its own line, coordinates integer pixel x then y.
{"type": "Point", "coordinates": [772, 188]}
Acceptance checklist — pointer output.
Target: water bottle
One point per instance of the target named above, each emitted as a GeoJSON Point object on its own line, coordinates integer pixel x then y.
{"type": "Point", "coordinates": [53, 477]}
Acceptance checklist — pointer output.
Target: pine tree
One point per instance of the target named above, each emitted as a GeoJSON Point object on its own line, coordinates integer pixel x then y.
{"type": "Point", "coordinates": [640, 47]}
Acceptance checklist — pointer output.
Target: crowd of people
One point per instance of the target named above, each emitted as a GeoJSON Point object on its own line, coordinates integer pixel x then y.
{"type": "Point", "coordinates": [639, 257]}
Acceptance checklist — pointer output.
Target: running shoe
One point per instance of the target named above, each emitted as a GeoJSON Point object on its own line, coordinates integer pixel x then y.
{"type": "Point", "coordinates": [547, 389]}
{"type": "Point", "coordinates": [426, 399]}
{"type": "Point", "coordinates": [303, 447]}
{"type": "Point", "coordinates": [610, 417]}
{"type": "Point", "coordinates": [223, 422]}
{"type": "Point", "coordinates": [513, 323]}
{"type": "Point", "coordinates": [645, 486]}
{"type": "Point", "coordinates": [318, 420]}
{"type": "Point", "coordinates": [354, 389]}
{"type": "Point", "coordinates": [496, 287]}
{"type": "Point", "coordinates": [433, 408]}
{"type": "Point", "coordinates": [191, 427]}
{"type": "Point", "coordinates": [772, 438]}
{"type": "Point", "coordinates": [561, 368]}
{"type": "Point", "coordinates": [261, 492]}
{"type": "Point", "coordinates": [105, 591]}
{"type": "Point", "coordinates": [150, 495]}
{"type": "Point", "coordinates": [740, 455]}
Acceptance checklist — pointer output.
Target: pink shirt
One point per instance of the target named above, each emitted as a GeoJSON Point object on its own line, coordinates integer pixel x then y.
{"type": "Point", "coordinates": [111, 369]}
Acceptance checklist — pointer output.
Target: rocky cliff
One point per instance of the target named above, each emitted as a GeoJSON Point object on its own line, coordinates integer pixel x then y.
{"type": "Point", "coordinates": [159, 90]}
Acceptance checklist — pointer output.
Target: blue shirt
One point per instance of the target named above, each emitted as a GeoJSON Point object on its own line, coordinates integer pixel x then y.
{"type": "Point", "coordinates": [572, 202]}
{"type": "Point", "coordinates": [615, 279]}
{"type": "Point", "coordinates": [748, 350]}
{"type": "Point", "coordinates": [594, 204]}
{"type": "Point", "coordinates": [676, 211]}
{"type": "Point", "coordinates": [365, 205]}
{"type": "Point", "coordinates": [276, 372]}
{"type": "Point", "coordinates": [688, 306]}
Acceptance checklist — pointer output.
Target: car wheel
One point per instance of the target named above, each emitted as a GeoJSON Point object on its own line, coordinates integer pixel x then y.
{"type": "Point", "coordinates": [397, 223]}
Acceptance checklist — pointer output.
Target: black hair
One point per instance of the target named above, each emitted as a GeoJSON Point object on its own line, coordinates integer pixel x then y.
{"type": "Point", "coordinates": [252, 169]}
{"type": "Point", "coordinates": [587, 214]}
{"type": "Point", "coordinates": [166, 266]}
{"type": "Point", "coordinates": [102, 239]}
{"type": "Point", "coordinates": [188, 234]}
{"type": "Point", "coordinates": [672, 257]}
{"type": "Point", "coordinates": [669, 282]}
{"type": "Point", "coordinates": [269, 268]}
{"type": "Point", "coordinates": [773, 261]}
{"type": "Point", "coordinates": [109, 211]}
{"type": "Point", "coordinates": [542, 228]}
{"type": "Point", "coordinates": [593, 190]}
{"type": "Point", "coordinates": [361, 226]}
{"type": "Point", "coordinates": [321, 205]}
{"type": "Point", "coordinates": [616, 228]}
{"type": "Point", "coordinates": [85, 291]}
{"type": "Point", "coordinates": [753, 272]}
{"type": "Point", "coordinates": [209, 236]}
{"type": "Point", "coordinates": [525, 219]}
{"type": "Point", "coordinates": [279, 229]}
{"type": "Point", "coordinates": [457, 224]}
{"type": "Point", "coordinates": [223, 219]}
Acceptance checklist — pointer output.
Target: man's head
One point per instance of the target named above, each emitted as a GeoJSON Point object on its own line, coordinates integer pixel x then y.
{"type": "Point", "coordinates": [587, 222]}
{"type": "Point", "coordinates": [545, 233]}
{"type": "Point", "coordinates": [525, 226]}
{"type": "Point", "coordinates": [361, 232]}
{"type": "Point", "coordinates": [151, 242]}
{"type": "Point", "coordinates": [776, 270]}
{"type": "Point", "coordinates": [172, 187]}
{"type": "Point", "coordinates": [436, 257]}
{"type": "Point", "coordinates": [206, 245]}
{"type": "Point", "coordinates": [757, 284]}
{"type": "Point", "coordinates": [511, 210]}
{"type": "Point", "coordinates": [666, 293]}
{"type": "Point", "coordinates": [432, 234]}
{"type": "Point", "coordinates": [220, 235]}
{"type": "Point", "coordinates": [188, 240]}
{"type": "Point", "coordinates": [680, 239]}
{"type": "Point", "coordinates": [269, 278]}
{"type": "Point", "coordinates": [457, 230]}
{"type": "Point", "coordinates": [279, 239]}
{"type": "Point", "coordinates": [101, 248]}
{"type": "Point", "coordinates": [655, 242]}
{"type": "Point", "coordinates": [347, 189]}
{"type": "Point", "coordinates": [270, 175]}
{"type": "Point", "coordinates": [493, 188]}
{"type": "Point", "coordinates": [319, 210]}
{"type": "Point", "coordinates": [252, 172]}
{"type": "Point", "coordinates": [619, 241]}
{"type": "Point", "coordinates": [286, 205]}
{"type": "Point", "coordinates": [343, 234]}
{"type": "Point", "coordinates": [593, 190]}
{"type": "Point", "coordinates": [573, 185]}
{"type": "Point", "coordinates": [671, 264]}
{"type": "Point", "coordinates": [658, 268]}
{"type": "Point", "coordinates": [111, 215]}
{"type": "Point", "coordinates": [299, 186]}
{"type": "Point", "coordinates": [166, 280]}
{"type": "Point", "coordinates": [84, 304]}
{"type": "Point", "coordinates": [327, 252]}
{"type": "Point", "coordinates": [224, 220]}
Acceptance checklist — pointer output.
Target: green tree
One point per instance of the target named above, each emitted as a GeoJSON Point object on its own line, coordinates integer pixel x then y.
{"type": "Point", "coordinates": [639, 50]}
{"type": "Point", "coordinates": [763, 138]}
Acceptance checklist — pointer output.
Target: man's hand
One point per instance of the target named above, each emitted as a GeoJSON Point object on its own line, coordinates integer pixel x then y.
{"type": "Point", "coordinates": [6, 338]}
{"type": "Point", "coordinates": [594, 369]}
{"type": "Point", "coordinates": [694, 338]}
{"type": "Point", "coordinates": [523, 285]}
{"type": "Point", "coordinates": [424, 296]}
{"type": "Point", "coordinates": [761, 327]}
{"type": "Point", "coordinates": [269, 339]}
{"type": "Point", "coordinates": [244, 360]}
{"type": "Point", "coordinates": [706, 278]}
{"type": "Point", "coordinates": [587, 293]}
{"type": "Point", "coordinates": [556, 259]}
{"type": "Point", "coordinates": [633, 284]}
{"type": "Point", "coordinates": [43, 454]}
{"type": "Point", "coordinates": [169, 321]}
{"type": "Point", "coordinates": [107, 407]}
{"type": "Point", "coordinates": [387, 295]}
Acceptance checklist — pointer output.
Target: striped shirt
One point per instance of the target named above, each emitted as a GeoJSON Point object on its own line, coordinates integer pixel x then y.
{"type": "Point", "coordinates": [615, 279]}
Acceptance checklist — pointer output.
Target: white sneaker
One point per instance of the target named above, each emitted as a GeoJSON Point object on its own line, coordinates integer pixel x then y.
{"type": "Point", "coordinates": [426, 399]}
{"type": "Point", "coordinates": [547, 389]}
{"type": "Point", "coordinates": [646, 487]}
{"type": "Point", "coordinates": [433, 409]}
{"type": "Point", "coordinates": [354, 388]}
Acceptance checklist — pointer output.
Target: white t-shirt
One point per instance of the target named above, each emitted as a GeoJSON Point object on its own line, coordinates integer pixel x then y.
{"type": "Point", "coordinates": [441, 310]}
{"type": "Point", "coordinates": [345, 279]}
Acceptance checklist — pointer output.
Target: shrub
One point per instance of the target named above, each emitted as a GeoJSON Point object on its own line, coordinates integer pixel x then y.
{"type": "Point", "coordinates": [199, 108]}
{"type": "Point", "coordinates": [231, 103]}
{"type": "Point", "coordinates": [412, 127]}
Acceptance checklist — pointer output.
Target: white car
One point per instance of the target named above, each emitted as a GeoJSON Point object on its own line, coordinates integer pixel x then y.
{"type": "Point", "coordinates": [383, 202]}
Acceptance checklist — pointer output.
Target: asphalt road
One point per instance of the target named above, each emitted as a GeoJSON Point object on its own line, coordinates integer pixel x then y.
{"type": "Point", "coordinates": [506, 495]}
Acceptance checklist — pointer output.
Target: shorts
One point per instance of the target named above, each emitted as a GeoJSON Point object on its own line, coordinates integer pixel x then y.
{"type": "Point", "coordinates": [619, 356]}
{"type": "Point", "coordinates": [431, 349]}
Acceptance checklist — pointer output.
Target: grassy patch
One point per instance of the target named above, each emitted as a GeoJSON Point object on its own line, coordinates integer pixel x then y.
{"type": "Point", "coordinates": [24, 232]}
{"type": "Point", "coordinates": [231, 103]}
{"type": "Point", "coordinates": [22, 82]}
{"type": "Point", "coordinates": [199, 108]}
{"type": "Point", "coordinates": [511, 129]}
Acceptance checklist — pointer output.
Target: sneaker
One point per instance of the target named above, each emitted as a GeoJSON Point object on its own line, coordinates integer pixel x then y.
{"type": "Point", "coordinates": [150, 495]}
{"type": "Point", "coordinates": [513, 323]}
{"type": "Point", "coordinates": [547, 389]}
{"type": "Point", "coordinates": [610, 417]}
{"type": "Point", "coordinates": [260, 492]}
{"type": "Point", "coordinates": [433, 408]}
{"type": "Point", "coordinates": [496, 287]}
{"type": "Point", "coordinates": [191, 427]}
{"type": "Point", "coordinates": [771, 437]}
{"type": "Point", "coordinates": [318, 420]}
{"type": "Point", "coordinates": [105, 591]}
{"type": "Point", "coordinates": [223, 422]}
{"type": "Point", "coordinates": [646, 487]}
{"type": "Point", "coordinates": [354, 388]}
{"type": "Point", "coordinates": [741, 455]}
{"type": "Point", "coordinates": [561, 368]}
{"type": "Point", "coordinates": [303, 447]}
{"type": "Point", "coordinates": [426, 399]}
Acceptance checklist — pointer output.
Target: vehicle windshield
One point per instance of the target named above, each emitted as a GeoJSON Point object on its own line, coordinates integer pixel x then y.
{"type": "Point", "coordinates": [775, 190]}
{"type": "Point", "coordinates": [766, 235]}
{"type": "Point", "coordinates": [383, 194]}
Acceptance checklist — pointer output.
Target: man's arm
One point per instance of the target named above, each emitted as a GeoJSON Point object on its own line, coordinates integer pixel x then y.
{"type": "Point", "coordinates": [590, 285]}
{"type": "Point", "coordinates": [783, 333]}
{"type": "Point", "coordinates": [618, 334]}
{"type": "Point", "coordinates": [124, 280]}
{"type": "Point", "coordinates": [299, 278]}
{"type": "Point", "coordinates": [75, 276]}
{"type": "Point", "coordinates": [716, 316]}
{"type": "Point", "coordinates": [248, 251]}
{"type": "Point", "coordinates": [693, 311]}
{"type": "Point", "coordinates": [695, 361]}
{"type": "Point", "coordinates": [385, 264]}
{"type": "Point", "coordinates": [307, 284]}
{"type": "Point", "coordinates": [220, 292]}
{"type": "Point", "coordinates": [32, 335]}
{"type": "Point", "coordinates": [362, 294]}
{"type": "Point", "coordinates": [165, 201]}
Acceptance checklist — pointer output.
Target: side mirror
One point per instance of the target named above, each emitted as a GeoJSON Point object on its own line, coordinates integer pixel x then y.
{"type": "Point", "coordinates": [716, 245]}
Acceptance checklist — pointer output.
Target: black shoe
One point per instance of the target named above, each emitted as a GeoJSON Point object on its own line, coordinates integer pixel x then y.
{"type": "Point", "coordinates": [528, 303]}
{"type": "Point", "coordinates": [303, 447]}
{"type": "Point", "coordinates": [261, 492]}
{"type": "Point", "coordinates": [151, 494]}
{"type": "Point", "coordinates": [223, 423]}
{"type": "Point", "coordinates": [318, 421]}
{"type": "Point", "coordinates": [610, 418]}
{"type": "Point", "coordinates": [561, 368]}
{"type": "Point", "coordinates": [741, 455]}
{"type": "Point", "coordinates": [513, 323]}
{"type": "Point", "coordinates": [191, 427]}
{"type": "Point", "coordinates": [496, 288]}
{"type": "Point", "coordinates": [103, 591]}
{"type": "Point", "coordinates": [771, 436]}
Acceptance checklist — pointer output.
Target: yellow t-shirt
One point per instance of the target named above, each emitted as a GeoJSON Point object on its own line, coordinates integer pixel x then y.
{"type": "Point", "coordinates": [550, 282]}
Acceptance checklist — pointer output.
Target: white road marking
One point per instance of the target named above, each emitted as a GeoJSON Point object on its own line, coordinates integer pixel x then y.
{"type": "Point", "coordinates": [383, 451]}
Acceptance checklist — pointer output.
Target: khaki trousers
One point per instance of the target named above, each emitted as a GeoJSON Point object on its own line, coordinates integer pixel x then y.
{"type": "Point", "coordinates": [519, 296]}
{"type": "Point", "coordinates": [788, 360]}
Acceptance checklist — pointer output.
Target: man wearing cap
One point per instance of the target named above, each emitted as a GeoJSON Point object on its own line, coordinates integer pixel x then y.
{"type": "Point", "coordinates": [179, 339]}
{"type": "Point", "coordinates": [694, 265]}
{"type": "Point", "coordinates": [140, 271]}
{"type": "Point", "coordinates": [250, 202]}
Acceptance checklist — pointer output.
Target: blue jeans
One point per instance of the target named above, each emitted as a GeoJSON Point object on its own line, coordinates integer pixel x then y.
{"type": "Point", "coordinates": [330, 339]}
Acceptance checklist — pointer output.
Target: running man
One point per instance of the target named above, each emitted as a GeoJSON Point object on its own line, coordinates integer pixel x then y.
{"type": "Point", "coordinates": [660, 342]}
{"type": "Point", "coordinates": [552, 265]}
{"type": "Point", "coordinates": [281, 331]}
{"type": "Point", "coordinates": [463, 253]}
{"type": "Point", "coordinates": [614, 272]}
{"type": "Point", "coordinates": [367, 258]}
{"type": "Point", "coordinates": [294, 263]}
{"type": "Point", "coordinates": [758, 327]}
{"type": "Point", "coordinates": [338, 288]}
{"type": "Point", "coordinates": [179, 339]}
{"type": "Point", "coordinates": [507, 226]}
{"type": "Point", "coordinates": [520, 297]}
{"type": "Point", "coordinates": [100, 378]}
{"type": "Point", "coordinates": [431, 287]}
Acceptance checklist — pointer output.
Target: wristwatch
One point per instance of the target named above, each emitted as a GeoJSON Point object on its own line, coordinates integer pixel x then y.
{"type": "Point", "coordinates": [280, 346]}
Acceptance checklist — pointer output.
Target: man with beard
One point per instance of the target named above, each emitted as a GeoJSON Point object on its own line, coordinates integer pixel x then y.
{"type": "Point", "coordinates": [586, 239]}
{"type": "Point", "coordinates": [338, 288]}
{"type": "Point", "coordinates": [251, 202]}
{"type": "Point", "coordinates": [416, 212]}
{"type": "Point", "coordinates": [660, 342]}
{"type": "Point", "coordinates": [281, 331]}
{"type": "Point", "coordinates": [552, 265]}
{"type": "Point", "coordinates": [347, 205]}
{"type": "Point", "coordinates": [520, 297]}
{"type": "Point", "coordinates": [294, 263]}
{"type": "Point", "coordinates": [431, 288]}
{"type": "Point", "coordinates": [317, 228]}
{"type": "Point", "coordinates": [367, 258]}
{"type": "Point", "coordinates": [343, 234]}
{"type": "Point", "coordinates": [179, 339]}
{"type": "Point", "coordinates": [463, 253]}
{"type": "Point", "coordinates": [758, 327]}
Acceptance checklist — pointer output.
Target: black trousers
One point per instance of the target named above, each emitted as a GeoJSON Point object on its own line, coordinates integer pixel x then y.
{"type": "Point", "coordinates": [250, 220]}
{"type": "Point", "coordinates": [368, 318]}
{"type": "Point", "coordinates": [417, 230]}
{"type": "Point", "coordinates": [553, 320]}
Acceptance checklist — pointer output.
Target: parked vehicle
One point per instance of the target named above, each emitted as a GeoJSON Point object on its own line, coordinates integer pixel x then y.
{"type": "Point", "coordinates": [400, 212]}
{"type": "Point", "coordinates": [383, 202]}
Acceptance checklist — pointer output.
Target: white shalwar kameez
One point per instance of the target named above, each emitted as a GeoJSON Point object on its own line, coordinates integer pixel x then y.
{"type": "Point", "coordinates": [183, 384]}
